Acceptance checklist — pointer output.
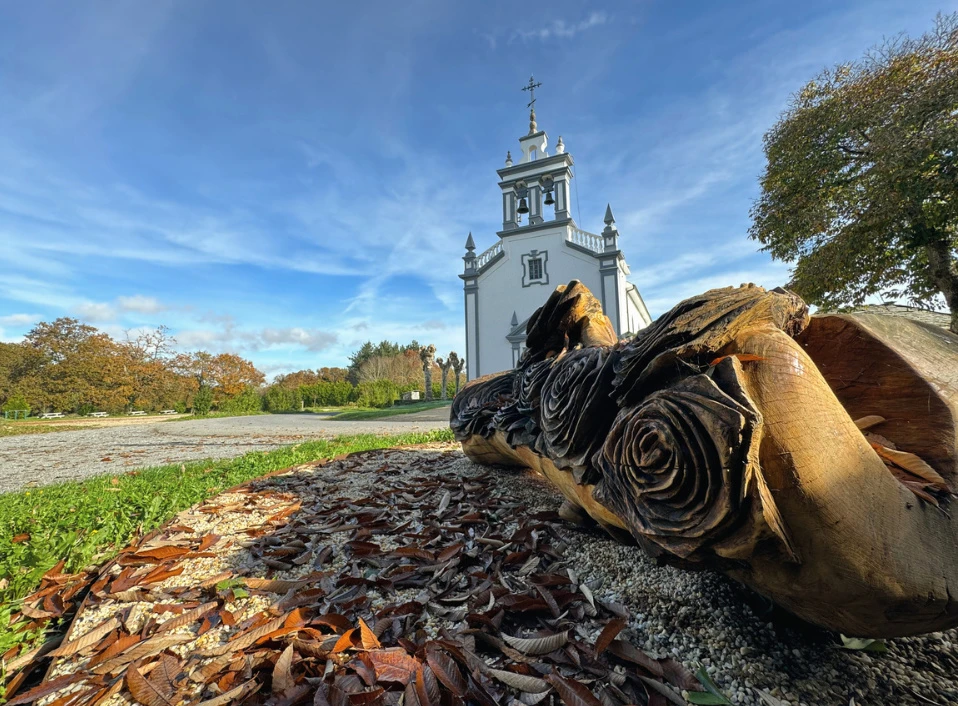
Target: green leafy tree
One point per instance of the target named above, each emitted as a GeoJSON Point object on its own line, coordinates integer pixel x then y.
{"type": "Point", "coordinates": [247, 401]}
{"type": "Point", "coordinates": [203, 400]}
{"type": "Point", "coordinates": [861, 186]}
{"type": "Point", "coordinates": [16, 403]}
{"type": "Point", "coordinates": [282, 399]}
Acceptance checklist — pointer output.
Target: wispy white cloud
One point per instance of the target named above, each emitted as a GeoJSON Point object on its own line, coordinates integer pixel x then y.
{"type": "Point", "coordinates": [311, 339]}
{"type": "Point", "coordinates": [118, 308]}
{"type": "Point", "coordinates": [232, 338]}
{"type": "Point", "coordinates": [561, 29]}
{"type": "Point", "coordinates": [20, 319]}
{"type": "Point", "coordinates": [141, 304]}
{"type": "Point", "coordinates": [95, 312]}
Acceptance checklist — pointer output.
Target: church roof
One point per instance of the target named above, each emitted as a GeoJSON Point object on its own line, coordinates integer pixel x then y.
{"type": "Point", "coordinates": [518, 331]}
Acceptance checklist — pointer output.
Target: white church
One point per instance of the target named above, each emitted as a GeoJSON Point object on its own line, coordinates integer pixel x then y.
{"type": "Point", "coordinates": [539, 247]}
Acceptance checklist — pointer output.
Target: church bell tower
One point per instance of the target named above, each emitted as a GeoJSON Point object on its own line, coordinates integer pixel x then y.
{"type": "Point", "coordinates": [538, 182]}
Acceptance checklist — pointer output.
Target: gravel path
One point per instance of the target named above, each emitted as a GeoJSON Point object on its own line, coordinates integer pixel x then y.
{"type": "Point", "coordinates": [32, 460]}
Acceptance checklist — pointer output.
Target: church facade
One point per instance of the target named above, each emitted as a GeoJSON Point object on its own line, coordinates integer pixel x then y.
{"type": "Point", "coordinates": [539, 247]}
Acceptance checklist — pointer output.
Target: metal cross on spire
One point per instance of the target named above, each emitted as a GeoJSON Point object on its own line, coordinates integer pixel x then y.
{"type": "Point", "coordinates": [532, 91]}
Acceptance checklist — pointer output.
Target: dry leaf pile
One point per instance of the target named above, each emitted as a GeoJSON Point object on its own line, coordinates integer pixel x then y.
{"type": "Point", "coordinates": [910, 470]}
{"type": "Point", "coordinates": [396, 577]}
{"type": "Point", "coordinates": [54, 603]}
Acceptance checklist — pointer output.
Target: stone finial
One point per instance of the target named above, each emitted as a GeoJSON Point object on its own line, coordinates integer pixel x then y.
{"type": "Point", "coordinates": [609, 218]}
{"type": "Point", "coordinates": [560, 146]}
{"type": "Point", "coordinates": [470, 243]}
{"type": "Point", "coordinates": [508, 158]}
{"type": "Point", "coordinates": [610, 233]}
{"type": "Point", "coordinates": [533, 128]}
{"type": "Point", "coordinates": [515, 320]}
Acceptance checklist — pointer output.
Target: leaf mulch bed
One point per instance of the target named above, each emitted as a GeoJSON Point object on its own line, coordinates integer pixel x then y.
{"type": "Point", "coordinates": [387, 577]}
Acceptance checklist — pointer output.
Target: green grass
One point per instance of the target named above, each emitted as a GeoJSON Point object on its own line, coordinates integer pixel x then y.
{"type": "Point", "coordinates": [17, 429]}
{"type": "Point", "coordinates": [88, 522]}
{"type": "Point", "coordinates": [363, 414]}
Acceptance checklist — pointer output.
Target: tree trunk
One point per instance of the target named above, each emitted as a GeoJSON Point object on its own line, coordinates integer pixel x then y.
{"type": "Point", "coordinates": [943, 272]}
{"type": "Point", "coordinates": [445, 374]}
{"type": "Point", "coordinates": [814, 460]}
{"type": "Point", "coordinates": [427, 356]}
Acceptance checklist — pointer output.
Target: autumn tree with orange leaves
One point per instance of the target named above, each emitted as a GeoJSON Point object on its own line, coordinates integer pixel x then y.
{"type": "Point", "coordinates": [69, 366]}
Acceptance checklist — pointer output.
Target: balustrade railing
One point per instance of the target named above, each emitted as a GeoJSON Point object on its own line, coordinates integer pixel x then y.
{"type": "Point", "coordinates": [487, 255]}
{"type": "Point", "coordinates": [589, 241]}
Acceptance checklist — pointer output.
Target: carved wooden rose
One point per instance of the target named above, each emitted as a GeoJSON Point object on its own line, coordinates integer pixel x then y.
{"type": "Point", "coordinates": [575, 409]}
{"type": "Point", "coordinates": [673, 467]}
{"type": "Point", "coordinates": [814, 459]}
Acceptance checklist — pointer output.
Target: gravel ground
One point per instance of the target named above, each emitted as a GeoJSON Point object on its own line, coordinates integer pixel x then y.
{"type": "Point", "coordinates": [32, 460]}
{"type": "Point", "coordinates": [756, 657]}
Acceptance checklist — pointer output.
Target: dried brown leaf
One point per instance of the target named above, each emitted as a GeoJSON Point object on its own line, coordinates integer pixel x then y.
{"type": "Point", "coordinates": [629, 653]}
{"type": "Point", "coordinates": [283, 672]}
{"type": "Point", "coordinates": [233, 695]}
{"type": "Point", "coordinates": [446, 671]}
{"type": "Point", "coordinates": [522, 682]}
{"type": "Point", "coordinates": [608, 634]}
{"type": "Point", "coordinates": [677, 674]}
{"type": "Point", "coordinates": [914, 465]}
{"type": "Point", "coordinates": [144, 649]}
{"type": "Point", "coordinates": [869, 421]}
{"type": "Point", "coordinates": [45, 689]}
{"type": "Point", "coordinates": [347, 640]}
{"type": "Point", "coordinates": [86, 640]}
{"type": "Point", "coordinates": [162, 553]}
{"type": "Point", "coordinates": [664, 690]}
{"type": "Point", "coordinates": [368, 638]}
{"type": "Point", "coordinates": [427, 687]}
{"type": "Point", "coordinates": [241, 641]}
{"type": "Point", "coordinates": [144, 691]}
{"type": "Point", "coordinates": [121, 645]}
{"type": "Point", "coordinates": [394, 665]}
{"type": "Point", "coordinates": [537, 645]}
{"type": "Point", "coordinates": [190, 616]}
{"type": "Point", "coordinates": [571, 691]}
{"type": "Point", "coordinates": [275, 585]}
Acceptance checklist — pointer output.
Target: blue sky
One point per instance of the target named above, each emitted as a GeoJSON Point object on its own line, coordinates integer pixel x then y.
{"type": "Point", "coordinates": [287, 180]}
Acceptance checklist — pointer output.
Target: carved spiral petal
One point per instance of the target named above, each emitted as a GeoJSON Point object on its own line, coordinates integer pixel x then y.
{"type": "Point", "coordinates": [576, 410]}
{"type": "Point", "coordinates": [519, 419]}
{"type": "Point", "coordinates": [474, 408]}
{"type": "Point", "coordinates": [673, 466]}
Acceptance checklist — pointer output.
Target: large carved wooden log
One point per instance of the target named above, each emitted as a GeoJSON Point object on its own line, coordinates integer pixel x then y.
{"type": "Point", "coordinates": [813, 459]}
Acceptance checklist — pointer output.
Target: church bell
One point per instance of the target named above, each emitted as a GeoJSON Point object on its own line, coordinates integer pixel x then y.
{"type": "Point", "coordinates": [523, 206]}
{"type": "Point", "coordinates": [549, 200]}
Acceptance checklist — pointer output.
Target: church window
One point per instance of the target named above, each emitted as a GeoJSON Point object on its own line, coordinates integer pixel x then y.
{"type": "Point", "coordinates": [535, 268]}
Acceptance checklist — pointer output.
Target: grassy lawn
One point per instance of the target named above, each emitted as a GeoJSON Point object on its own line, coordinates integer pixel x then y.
{"type": "Point", "coordinates": [88, 522]}
{"type": "Point", "coordinates": [362, 414]}
{"type": "Point", "coordinates": [16, 429]}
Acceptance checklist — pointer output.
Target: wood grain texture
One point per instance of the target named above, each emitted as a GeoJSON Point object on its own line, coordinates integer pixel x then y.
{"type": "Point", "coordinates": [724, 437]}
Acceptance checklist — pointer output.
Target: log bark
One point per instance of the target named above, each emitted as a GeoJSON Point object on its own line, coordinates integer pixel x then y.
{"type": "Point", "coordinates": [724, 437]}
